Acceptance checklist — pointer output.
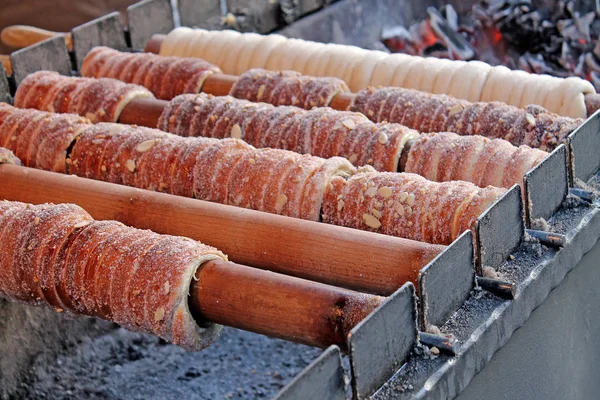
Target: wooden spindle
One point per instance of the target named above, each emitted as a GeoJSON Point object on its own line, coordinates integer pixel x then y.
{"type": "Point", "coordinates": [277, 305]}
{"type": "Point", "coordinates": [325, 253]}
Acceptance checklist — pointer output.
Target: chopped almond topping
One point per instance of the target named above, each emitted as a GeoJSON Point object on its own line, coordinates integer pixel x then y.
{"type": "Point", "coordinates": [236, 131]}
{"type": "Point", "coordinates": [371, 221]}
{"type": "Point", "coordinates": [384, 192]}
{"type": "Point", "coordinates": [130, 165]}
{"type": "Point", "coordinates": [145, 146]}
{"type": "Point", "coordinates": [159, 314]}
{"type": "Point", "coordinates": [82, 224]}
{"type": "Point", "coordinates": [260, 92]}
{"type": "Point", "coordinates": [382, 138]}
{"type": "Point", "coordinates": [530, 119]}
{"type": "Point", "coordinates": [348, 123]}
{"type": "Point", "coordinates": [281, 201]}
{"type": "Point", "coordinates": [371, 191]}
{"type": "Point", "coordinates": [411, 199]}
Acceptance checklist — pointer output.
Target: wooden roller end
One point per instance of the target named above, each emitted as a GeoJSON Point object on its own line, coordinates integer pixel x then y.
{"type": "Point", "coordinates": [21, 36]}
{"type": "Point", "coordinates": [153, 44]}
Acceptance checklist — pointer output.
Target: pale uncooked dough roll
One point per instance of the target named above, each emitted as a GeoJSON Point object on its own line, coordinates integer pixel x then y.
{"type": "Point", "coordinates": [198, 47]}
{"type": "Point", "coordinates": [361, 73]}
{"type": "Point", "coordinates": [477, 75]}
{"type": "Point", "coordinates": [443, 79]}
{"type": "Point", "coordinates": [230, 62]}
{"type": "Point", "coordinates": [573, 102]}
{"type": "Point", "coordinates": [322, 62]}
{"type": "Point", "coordinates": [263, 52]}
{"type": "Point", "coordinates": [433, 68]}
{"type": "Point", "coordinates": [519, 79]}
{"type": "Point", "coordinates": [577, 106]}
{"type": "Point", "coordinates": [272, 61]}
{"type": "Point", "coordinates": [473, 81]}
{"type": "Point", "coordinates": [251, 42]}
{"type": "Point", "coordinates": [497, 86]}
{"type": "Point", "coordinates": [291, 52]}
{"type": "Point", "coordinates": [529, 95]}
{"type": "Point", "coordinates": [340, 60]}
{"type": "Point", "coordinates": [544, 83]}
{"type": "Point", "coordinates": [176, 37]}
{"type": "Point", "coordinates": [416, 74]}
{"type": "Point", "coordinates": [302, 61]}
{"type": "Point", "coordinates": [383, 73]}
{"type": "Point", "coordinates": [220, 46]}
{"type": "Point", "coordinates": [402, 70]}
{"type": "Point", "coordinates": [555, 93]}
{"type": "Point", "coordinates": [316, 52]}
{"type": "Point", "coordinates": [461, 82]}
{"type": "Point", "coordinates": [353, 59]}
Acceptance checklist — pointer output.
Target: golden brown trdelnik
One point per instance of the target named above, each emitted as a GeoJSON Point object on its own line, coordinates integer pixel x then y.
{"type": "Point", "coordinates": [446, 156]}
{"type": "Point", "coordinates": [287, 88]}
{"type": "Point", "coordinates": [406, 205]}
{"type": "Point", "coordinates": [533, 126]}
{"type": "Point", "coordinates": [165, 77]}
{"type": "Point", "coordinates": [227, 171]}
{"type": "Point", "coordinates": [100, 100]}
{"type": "Point", "coordinates": [40, 139]}
{"type": "Point", "coordinates": [59, 256]}
{"type": "Point", "coordinates": [322, 132]}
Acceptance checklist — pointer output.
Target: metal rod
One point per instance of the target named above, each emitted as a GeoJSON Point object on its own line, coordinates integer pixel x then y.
{"type": "Point", "coordinates": [502, 289]}
{"type": "Point", "coordinates": [548, 238]}
{"type": "Point", "coordinates": [277, 305]}
{"type": "Point", "coordinates": [326, 253]}
{"type": "Point", "coordinates": [444, 344]}
{"type": "Point", "coordinates": [584, 194]}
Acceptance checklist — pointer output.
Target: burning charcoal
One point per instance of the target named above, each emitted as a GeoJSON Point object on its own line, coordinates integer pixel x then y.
{"type": "Point", "coordinates": [583, 25]}
{"type": "Point", "coordinates": [449, 13]}
{"type": "Point", "coordinates": [437, 49]}
{"type": "Point", "coordinates": [398, 39]}
{"type": "Point", "coordinates": [567, 59]}
{"type": "Point", "coordinates": [457, 45]}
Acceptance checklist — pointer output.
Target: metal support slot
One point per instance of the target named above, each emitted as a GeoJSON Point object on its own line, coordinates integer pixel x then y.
{"type": "Point", "coordinates": [50, 54]}
{"type": "Point", "coordinates": [4, 86]}
{"type": "Point", "coordinates": [322, 379]}
{"type": "Point", "coordinates": [195, 12]}
{"type": "Point", "coordinates": [584, 149]}
{"type": "Point", "coordinates": [104, 31]}
{"type": "Point", "coordinates": [379, 345]}
{"type": "Point", "coordinates": [546, 186]}
{"type": "Point", "coordinates": [446, 282]}
{"type": "Point", "coordinates": [500, 230]}
{"type": "Point", "coordinates": [146, 18]}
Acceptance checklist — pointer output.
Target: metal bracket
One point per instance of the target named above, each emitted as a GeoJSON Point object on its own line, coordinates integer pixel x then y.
{"type": "Point", "coordinates": [546, 185]}
{"type": "Point", "coordinates": [103, 31]}
{"type": "Point", "coordinates": [446, 282]}
{"type": "Point", "coordinates": [323, 378]}
{"type": "Point", "coordinates": [50, 54]}
{"type": "Point", "coordinates": [500, 230]}
{"type": "Point", "coordinates": [380, 343]}
{"type": "Point", "coordinates": [147, 18]}
{"type": "Point", "coordinates": [4, 86]}
{"type": "Point", "coordinates": [584, 149]}
{"type": "Point", "coordinates": [196, 12]}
